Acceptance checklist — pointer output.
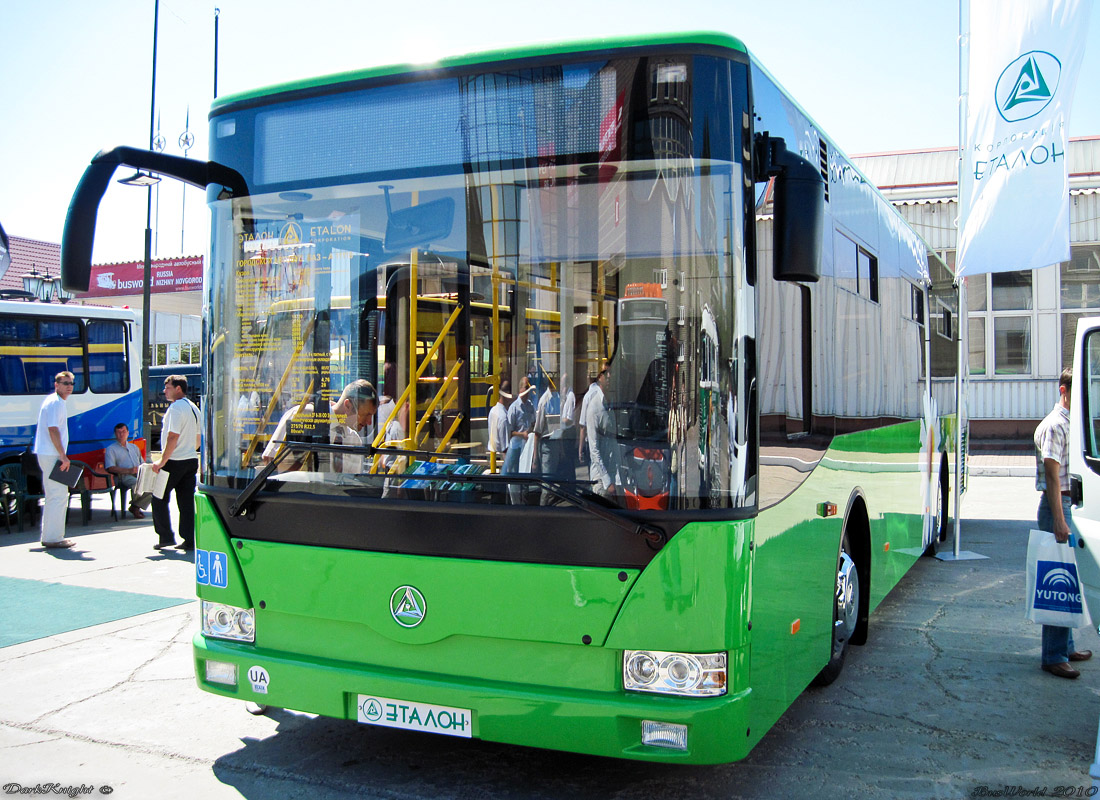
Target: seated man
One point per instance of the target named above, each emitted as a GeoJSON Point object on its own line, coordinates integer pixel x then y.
{"type": "Point", "coordinates": [353, 411]}
{"type": "Point", "coordinates": [122, 460]}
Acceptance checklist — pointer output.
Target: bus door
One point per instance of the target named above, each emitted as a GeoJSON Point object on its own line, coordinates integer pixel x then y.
{"type": "Point", "coordinates": [428, 331]}
{"type": "Point", "coordinates": [1084, 457]}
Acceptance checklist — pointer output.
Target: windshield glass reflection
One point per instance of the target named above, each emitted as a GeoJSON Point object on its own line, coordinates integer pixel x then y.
{"type": "Point", "coordinates": [426, 339]}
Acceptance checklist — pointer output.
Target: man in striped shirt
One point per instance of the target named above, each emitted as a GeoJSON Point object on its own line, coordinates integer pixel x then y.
{"type": "Point", "coordinates": [1055, 515]}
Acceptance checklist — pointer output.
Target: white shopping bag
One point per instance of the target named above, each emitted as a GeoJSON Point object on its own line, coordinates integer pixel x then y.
{"type": "Point", "coordinates": [527, 455]}
{"type": "Point", "coordinates": [1053, 591]}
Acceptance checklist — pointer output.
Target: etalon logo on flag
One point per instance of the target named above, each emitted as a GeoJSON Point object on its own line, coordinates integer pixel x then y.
{"type": "Point", "coordinates": [1056, 587]}
{"type": "Point", "coordinates": [1027, 85]}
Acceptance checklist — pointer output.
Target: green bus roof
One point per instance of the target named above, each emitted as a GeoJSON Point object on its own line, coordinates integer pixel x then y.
{"type": "Point", "coordinates": [700, 39]}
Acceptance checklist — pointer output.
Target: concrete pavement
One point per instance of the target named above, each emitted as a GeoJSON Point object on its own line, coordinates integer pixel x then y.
{"type": "Point", "coordinates": [945, 701]}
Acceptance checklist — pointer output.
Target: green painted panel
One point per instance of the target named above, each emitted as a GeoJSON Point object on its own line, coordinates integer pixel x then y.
{"type": "Point", "coordinates": [694, 595]}
{"type": "Point", "coordinates": [519, 710]}
{"type": "Point", "coordinates": [794, 569]}
{"type": "Point", "coordinates": [460, 597]}
{"type": "Point", "coordinates": [672, 40]}
{"type": "Point", "coordinates": [211, 535]}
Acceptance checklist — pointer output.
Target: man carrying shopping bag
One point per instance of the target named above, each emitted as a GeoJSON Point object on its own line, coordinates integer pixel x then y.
{"type": "Point", "coordinates": [1055, 516]}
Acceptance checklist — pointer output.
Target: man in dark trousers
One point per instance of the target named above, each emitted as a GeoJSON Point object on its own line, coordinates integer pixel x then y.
{"type": "Point", "coordinates": [179, 457]}
{"type": "Point", "coordinates": [1055, 515]}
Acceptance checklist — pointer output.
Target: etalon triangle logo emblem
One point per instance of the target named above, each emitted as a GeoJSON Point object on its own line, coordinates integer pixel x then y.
{"type": "Point", "coordinates": [1027, 85]}
{"type": "Point", "coordinates": [407, 606]}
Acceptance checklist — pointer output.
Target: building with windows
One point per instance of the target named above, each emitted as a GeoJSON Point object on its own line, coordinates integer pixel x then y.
{"type": "Point", "coordinates": [1021, 324]}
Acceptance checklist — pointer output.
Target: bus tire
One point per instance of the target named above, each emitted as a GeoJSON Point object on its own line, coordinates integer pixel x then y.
{"type": "Point", "coordinates": [845, 613]}
{"type": "Point", "coordinates": [945, 494]}
{"type": "Point", "coordinates": [941, 517]}
{"type": "Point", "coordinates": [9, 505]}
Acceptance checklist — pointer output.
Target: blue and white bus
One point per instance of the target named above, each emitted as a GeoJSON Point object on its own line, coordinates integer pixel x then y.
{"type": "Point", "coordinates": [100, 346]}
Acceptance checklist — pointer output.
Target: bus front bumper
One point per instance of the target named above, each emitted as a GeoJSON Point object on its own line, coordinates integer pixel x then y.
{"type": "Point", "coordinates": [715, 730]}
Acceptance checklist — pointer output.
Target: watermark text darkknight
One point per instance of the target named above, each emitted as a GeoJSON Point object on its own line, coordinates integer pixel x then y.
{"type": "Point", "coordinates": [51, 788]}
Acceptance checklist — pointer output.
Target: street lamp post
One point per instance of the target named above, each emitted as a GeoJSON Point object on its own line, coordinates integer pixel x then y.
{"type": "Point", "coordinates": [146, 316]}
{"type": "Point", "coordinates": [32, 283]}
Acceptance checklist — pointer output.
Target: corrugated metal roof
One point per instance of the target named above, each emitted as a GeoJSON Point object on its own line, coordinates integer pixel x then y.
{"type": "Point", "coordinates": [925, 168]}
{"type": "Point", "coordinates": [927, 173]}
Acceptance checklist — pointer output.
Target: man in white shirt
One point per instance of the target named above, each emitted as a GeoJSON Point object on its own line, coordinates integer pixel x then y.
{"type": "Point", "coordinates": [597, 425]}
{"type": "Point", "coordinates": [499, 435]}
{"type": "Point", "coordinates": [51, 440]}
{"type": "Point", "coordinates": [1055, 515]}
{"type": "Point", "coordinates": [354, 412]}
{"type": "Point", "coordinates": [122, 460]}
{"type": "Point", "coordinates": [179, 457]}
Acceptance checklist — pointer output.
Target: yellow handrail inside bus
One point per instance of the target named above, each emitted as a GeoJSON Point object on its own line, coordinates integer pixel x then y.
{"type": "Point", "coordinates": [448, 383]}
{"type": "Point", "coordinates": [444, 445]}
{"type": "Point", "coordinates": [251, 450]}
{"type": "Point", "coordinates": [381, 436]}
{"type": "Point", "coordinates": [423, 366]}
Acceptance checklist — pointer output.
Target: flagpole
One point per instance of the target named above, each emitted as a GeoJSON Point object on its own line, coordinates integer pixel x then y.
{"type": "Point", "coordinates": [962, 360]}
{"type": "Point", "coordinates": [964, 320]}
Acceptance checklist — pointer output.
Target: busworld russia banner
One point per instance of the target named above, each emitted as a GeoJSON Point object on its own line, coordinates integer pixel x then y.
{"type": "Point", "coordinates": [124, 280]}
{"type": "Point", "coordinates": [1024, 59]}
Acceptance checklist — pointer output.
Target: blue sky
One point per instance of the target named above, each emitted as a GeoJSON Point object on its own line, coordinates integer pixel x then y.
{"type": "Point", "coordinates": [877, 75]}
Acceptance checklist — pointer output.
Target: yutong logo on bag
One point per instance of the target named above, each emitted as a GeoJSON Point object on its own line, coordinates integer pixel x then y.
{"type": "Point", "coordinates": [1056, 587]}
{"type": "Point", "coordinates": [1027, 85]}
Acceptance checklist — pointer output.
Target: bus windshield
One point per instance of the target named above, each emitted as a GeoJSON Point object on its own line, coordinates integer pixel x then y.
{"type": "Point", "coordinates": [528, 297]}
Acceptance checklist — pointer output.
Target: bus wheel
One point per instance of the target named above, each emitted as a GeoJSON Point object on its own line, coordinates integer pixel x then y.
{"type": "Point", "coordinates": [939, 518]}
{"type": "Point", "coordinates": [9, 505]}
{"type": "Point", "coordinates": [945, 493]}
{"type": "Point", "coordinates": [845, 613]}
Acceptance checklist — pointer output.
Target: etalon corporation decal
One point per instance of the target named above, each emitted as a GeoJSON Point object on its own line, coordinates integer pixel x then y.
{"type": "Point", "coordinates": [407, 606]}
{"type": "Point", "coordinates": [1027, 85]}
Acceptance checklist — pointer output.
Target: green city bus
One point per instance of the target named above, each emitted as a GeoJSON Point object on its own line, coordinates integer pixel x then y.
{"type": "Point", "coordinates": [771, 435]}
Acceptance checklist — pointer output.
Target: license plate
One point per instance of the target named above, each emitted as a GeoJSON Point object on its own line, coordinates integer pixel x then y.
{"type": "Point", "coordinates": [391, 713]}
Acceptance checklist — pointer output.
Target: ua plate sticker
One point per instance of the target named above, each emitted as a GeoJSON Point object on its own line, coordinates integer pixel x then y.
{"type": "Point", "coordinates": [259, 679]}
{"type": "Point", "coordinates": [390, 713]}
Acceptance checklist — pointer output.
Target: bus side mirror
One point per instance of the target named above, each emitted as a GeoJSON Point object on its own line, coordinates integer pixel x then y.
{"type": "Point", "coordinates": [799, 206]}
{"type": "Point", "coordinates": [418, 225]}
{"type": "Point", "coordinates": [78, 237]}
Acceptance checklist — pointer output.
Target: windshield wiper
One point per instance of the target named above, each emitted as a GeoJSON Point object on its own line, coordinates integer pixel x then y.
{"type": "Point", "coordinates": [253, 488]}
{"type": "Point", "coordinates": [655, 537]}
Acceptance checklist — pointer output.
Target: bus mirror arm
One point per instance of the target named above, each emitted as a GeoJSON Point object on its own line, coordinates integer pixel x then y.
{"type": "Point", "coordinates": [78, 237]}
{"type": "Point", "coordinates": [799, 204]}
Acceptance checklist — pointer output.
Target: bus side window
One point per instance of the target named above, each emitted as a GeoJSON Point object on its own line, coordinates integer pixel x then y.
{"type": "Point", "coordinates": [13, 380]}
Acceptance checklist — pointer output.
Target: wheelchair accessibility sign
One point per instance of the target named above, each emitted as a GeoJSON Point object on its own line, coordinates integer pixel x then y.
{"type": "Point", "coordinates": [211, 568]}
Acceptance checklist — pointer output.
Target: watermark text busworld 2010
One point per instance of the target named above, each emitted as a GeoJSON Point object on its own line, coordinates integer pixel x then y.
{"type": "Point", "coordinates": [1034, 791]}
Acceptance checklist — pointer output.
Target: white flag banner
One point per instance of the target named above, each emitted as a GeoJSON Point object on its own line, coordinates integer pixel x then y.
{"type": "Point", "coordinates": [1014, 199]}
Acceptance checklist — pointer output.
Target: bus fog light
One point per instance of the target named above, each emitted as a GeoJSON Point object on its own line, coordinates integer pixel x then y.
{"type": "Point", "coordinates": [221, 672]}
{"type": "Point", "coordinates": [664, 734]}
{"type": "Point", "coordinates": [228, 622]}
{"type": "Point", "coordinates": [685, 674]}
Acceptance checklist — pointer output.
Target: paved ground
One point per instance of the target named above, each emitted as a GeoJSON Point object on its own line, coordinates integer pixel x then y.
{"type": "Point", "coordinates": [946, 701]}
{"type": "Point", "coordinates": [1002, 464]}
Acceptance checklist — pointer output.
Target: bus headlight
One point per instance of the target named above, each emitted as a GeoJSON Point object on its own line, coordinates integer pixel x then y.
{"type": "Point", "coordinates": [686, 674]}
{"type": "Point", "coordinates": [228, 622]}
